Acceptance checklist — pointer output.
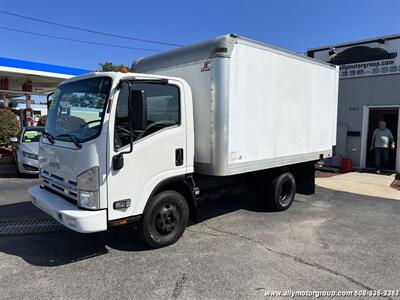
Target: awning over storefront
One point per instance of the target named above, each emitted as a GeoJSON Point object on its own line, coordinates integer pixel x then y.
{"type": "Point", "coordinates": [21, 77]}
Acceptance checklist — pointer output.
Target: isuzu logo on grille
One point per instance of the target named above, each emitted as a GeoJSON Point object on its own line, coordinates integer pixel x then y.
{"type": "Point", "coordinates": [54, 163]}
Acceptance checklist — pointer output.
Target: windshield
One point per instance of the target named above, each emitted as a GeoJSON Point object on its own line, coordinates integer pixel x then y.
{"type": "Point", "coordinates": [32, 135]}
{"type": "Point", "coordinates": [77, 109]}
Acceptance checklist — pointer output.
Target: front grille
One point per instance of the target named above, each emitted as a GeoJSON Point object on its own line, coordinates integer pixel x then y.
{"type": "Point", "coordinates": [64, 188]}
{"type": "Point", "coordinates": [30, 168]}
{"type": "Point", "coordinates": [62, 195]}
{"type": "Point", "coordinates": [57, 177]}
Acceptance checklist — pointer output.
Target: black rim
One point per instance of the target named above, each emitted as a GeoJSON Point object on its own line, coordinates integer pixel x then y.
{"type": "Point", "coordinates": [285, 192]}
{"type": "Point", "coordinates": [167, 219]}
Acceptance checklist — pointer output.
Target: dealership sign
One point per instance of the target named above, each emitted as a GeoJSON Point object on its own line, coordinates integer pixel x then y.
{"type": "Point", "coordinates": [370, 58]}
{"type": "Point", "coordinates": [371, 68]}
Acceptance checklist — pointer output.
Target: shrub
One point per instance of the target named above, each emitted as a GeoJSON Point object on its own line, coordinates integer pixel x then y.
{"type": "Point", "coordinates": [9, 126]}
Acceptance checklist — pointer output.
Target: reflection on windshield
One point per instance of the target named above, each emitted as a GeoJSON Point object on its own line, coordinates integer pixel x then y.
{"type": "Point", "coordinates": [77, 109]}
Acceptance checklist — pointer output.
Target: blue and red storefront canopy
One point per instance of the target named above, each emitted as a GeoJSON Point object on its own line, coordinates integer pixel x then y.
{"type": "Point", "coordinates": [41, 67]}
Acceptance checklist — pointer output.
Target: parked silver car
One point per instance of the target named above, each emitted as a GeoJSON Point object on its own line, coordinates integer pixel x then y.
{"type": "Point", "coordinates": [25, 149]}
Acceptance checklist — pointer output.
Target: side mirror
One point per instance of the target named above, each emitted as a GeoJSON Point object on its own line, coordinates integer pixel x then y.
{"type": "Point", "coordinates": [49, 99]}
{"type": "Point", "coordinates": [13, 140]}
{"type": "Point", "coordinates": [118, 162]}
{"type": "Point", "coordinates": [139, 110]}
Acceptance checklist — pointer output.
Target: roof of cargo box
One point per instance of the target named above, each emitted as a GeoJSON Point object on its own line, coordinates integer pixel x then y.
{"type": "Point", "coordinates": [220, 46]}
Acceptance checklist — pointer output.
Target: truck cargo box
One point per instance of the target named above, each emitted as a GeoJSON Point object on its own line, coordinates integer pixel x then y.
{"type": "Point", "coordinates": [255, 106]}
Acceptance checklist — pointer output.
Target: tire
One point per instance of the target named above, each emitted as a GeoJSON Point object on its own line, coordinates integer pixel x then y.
{"type": "Point", "coordinates": [282, 191]}
{"type": "Point", "coordinates": [165, 219]}
{"type": "Point", "coordinates": [19, 173]}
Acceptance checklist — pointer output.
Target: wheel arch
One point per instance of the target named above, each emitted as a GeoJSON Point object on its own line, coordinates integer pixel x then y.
{"type": "Point", "coordinates": [184, 186]}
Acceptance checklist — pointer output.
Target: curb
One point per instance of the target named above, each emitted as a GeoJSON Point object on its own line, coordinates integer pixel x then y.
{"type": "Point", "coordinates": [327, 169]}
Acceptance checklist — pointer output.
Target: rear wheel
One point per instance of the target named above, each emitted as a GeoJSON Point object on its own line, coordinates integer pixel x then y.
{"type": "Point", "coordinates": [281, 191]}
{"type": "Point", "coordinates": [165, 219]}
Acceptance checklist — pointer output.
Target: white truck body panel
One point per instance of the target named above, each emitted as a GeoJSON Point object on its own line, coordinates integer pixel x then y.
{"type": "Point", "coordinates": [255, 107]}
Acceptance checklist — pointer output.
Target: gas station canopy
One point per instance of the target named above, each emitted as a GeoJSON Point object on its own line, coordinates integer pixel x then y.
{"type": "Point", "coordinates": [24, 78]}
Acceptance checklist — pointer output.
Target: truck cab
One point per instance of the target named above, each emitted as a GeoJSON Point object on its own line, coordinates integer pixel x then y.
{"type": "Point", "coordinates": [113, 140]}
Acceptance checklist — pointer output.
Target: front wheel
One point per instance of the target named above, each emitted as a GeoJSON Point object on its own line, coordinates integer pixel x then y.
{"type": "Point", "coordinates": [282, 191]}
{"type": "Point", "coordinates": [19, 173]}
{"type": "Point", "coordinates": [165, 219]}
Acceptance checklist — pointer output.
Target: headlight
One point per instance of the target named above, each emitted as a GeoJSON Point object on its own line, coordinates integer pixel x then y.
{"type": "Point", "coordinates": [88, 189]}
{"type": "Point", "coordinates": [88, 199]}
{"type": "Point", "coordinates": [30, 155]}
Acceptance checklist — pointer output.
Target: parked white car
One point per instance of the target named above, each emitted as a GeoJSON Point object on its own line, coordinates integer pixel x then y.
{"type": "Point", "coordinates": [26, 148]}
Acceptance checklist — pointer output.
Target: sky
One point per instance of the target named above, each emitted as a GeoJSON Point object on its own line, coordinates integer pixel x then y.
{"type": "Point", "coordinates": [296, 25]}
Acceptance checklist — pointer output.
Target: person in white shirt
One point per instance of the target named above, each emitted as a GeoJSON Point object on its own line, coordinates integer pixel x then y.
{"type": "Point", "coordinates": [382, 138]}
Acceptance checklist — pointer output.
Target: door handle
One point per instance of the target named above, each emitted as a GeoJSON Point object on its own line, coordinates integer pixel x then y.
{"type": "Point", "coordinates": [179, 157]}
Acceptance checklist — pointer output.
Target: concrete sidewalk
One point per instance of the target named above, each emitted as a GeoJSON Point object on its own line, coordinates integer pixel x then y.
{"type": "Point", "coordinates": [361, 183]}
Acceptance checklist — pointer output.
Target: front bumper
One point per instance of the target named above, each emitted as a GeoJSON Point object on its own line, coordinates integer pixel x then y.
{"type": "Point", "coordinates": [28, 166]}
{"type": "Point", "coordinates": [67, 214]}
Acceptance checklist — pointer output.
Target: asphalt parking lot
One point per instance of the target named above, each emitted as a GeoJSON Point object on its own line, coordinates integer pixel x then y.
{"type": "Point", "coordinates": [328, 241]}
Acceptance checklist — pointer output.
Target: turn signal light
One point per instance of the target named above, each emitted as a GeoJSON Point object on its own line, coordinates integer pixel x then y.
{"type": "Point", "coordinates": [119, 222]}
{"type": "Point", "coordinates": [123, 69]}
{"type": "Point", "coordinates": [221, 50]}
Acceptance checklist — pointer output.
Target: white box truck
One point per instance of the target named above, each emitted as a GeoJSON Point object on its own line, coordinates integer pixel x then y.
{"type": "Point", "coordinates": [190, 124]}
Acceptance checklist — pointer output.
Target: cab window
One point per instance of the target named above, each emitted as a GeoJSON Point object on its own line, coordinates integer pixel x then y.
{"type": "Point", "coordinates": [163, 110]}
{"type": "Point", "coordinates": [121, 129]}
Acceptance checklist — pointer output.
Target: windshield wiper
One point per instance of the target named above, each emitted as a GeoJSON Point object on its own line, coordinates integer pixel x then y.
{"type": "Point", "coordinates": [48, 136]}
{"type": "Point", "coordinates": [72, 138]}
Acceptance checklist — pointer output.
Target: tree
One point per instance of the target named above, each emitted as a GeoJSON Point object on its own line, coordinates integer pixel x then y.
{"type": "Point", "coordinates": [9, 126]}
{"type": "Point", "coordinates": [110, 67]}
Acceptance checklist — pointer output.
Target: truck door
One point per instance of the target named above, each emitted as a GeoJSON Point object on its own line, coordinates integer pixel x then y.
{"type": "Point", "coordinates": [159, 151]}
